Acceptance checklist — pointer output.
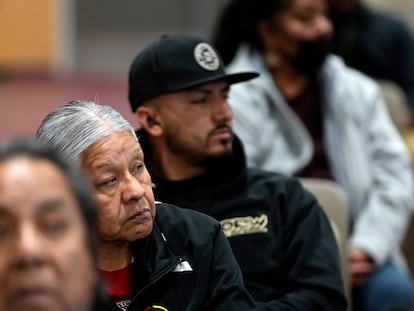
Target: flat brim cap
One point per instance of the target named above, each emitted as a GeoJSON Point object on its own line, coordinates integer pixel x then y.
{"type": "Point", "coordinates": [173, 63]}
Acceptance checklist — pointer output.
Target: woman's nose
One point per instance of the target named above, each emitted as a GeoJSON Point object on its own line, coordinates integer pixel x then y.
{"type": "Point", "coordinates": [28, 250]}
{"type": "Point", "coordinates": [132, 189]}
{"type": "Point", "coordinates": [324, 26]}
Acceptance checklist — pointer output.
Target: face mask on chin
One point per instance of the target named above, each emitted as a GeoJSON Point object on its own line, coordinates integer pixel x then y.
{"type": "Point", "coordinates": [311, 55]}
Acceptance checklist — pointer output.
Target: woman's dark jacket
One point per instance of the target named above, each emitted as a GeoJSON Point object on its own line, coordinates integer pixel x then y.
{"type": "Point", "coordinates": [186, 264]}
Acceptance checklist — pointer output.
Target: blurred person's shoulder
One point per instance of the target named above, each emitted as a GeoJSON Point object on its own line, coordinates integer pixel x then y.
{"type": "Point", "coordinates": [342, 79]}
{"type": "Point", "coordinates": [383, 23]}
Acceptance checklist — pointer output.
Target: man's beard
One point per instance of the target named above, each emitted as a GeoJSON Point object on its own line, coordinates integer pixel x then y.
{"type": "Point", "coordinates": [218, 160]}
{"type": "Point", "coordinates": [198, 156]}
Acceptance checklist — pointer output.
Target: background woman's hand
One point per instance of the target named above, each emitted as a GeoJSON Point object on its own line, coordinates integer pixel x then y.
{"type": "Point", "coordinates": [360, 266]}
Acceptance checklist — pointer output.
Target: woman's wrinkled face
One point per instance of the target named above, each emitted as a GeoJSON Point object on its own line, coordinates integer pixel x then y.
{"type": "Point", "coordinates": [123, 189]}
{"type": "Point", "coordinates": [45, 261]}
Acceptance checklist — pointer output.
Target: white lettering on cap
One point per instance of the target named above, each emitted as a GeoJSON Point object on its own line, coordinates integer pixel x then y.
{"type": "Point", "coordinates": [206, 57]}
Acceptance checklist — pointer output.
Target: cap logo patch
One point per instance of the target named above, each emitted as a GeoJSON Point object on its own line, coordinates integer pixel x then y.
{"type": "Point", "coordinates": [206, 57]}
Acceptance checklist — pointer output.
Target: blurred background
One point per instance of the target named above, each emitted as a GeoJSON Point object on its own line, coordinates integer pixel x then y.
{"type": "Point", "coordinates": [53, 51]}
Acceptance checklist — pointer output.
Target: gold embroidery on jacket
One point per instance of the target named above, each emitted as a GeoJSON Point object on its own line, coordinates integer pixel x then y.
{"type": "Point", "coordinates": [244, 225]}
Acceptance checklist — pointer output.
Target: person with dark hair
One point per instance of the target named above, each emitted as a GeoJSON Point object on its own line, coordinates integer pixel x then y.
{"type": "Point", "coordinates": [48, 234]}
{"type": "Point", "coordinates": [309, 115]}
{"type": "Point", "coordinates": [279, 234]}
{"type": "Point", "coordinates": [374, 42]}
{"type": "Point", "coordinates": [152, 256]}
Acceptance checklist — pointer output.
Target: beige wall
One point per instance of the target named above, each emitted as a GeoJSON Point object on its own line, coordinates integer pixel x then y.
{"type": "Point", "coordinates": [41, 33]}
{"type": "Point", "coordinates": [26, 31]}
{"type": "Point", "coordinates": [34, 34]}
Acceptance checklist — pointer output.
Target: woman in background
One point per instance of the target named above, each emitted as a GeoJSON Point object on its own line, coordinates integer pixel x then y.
{"type": "Point", "coordinates": [309, 115]}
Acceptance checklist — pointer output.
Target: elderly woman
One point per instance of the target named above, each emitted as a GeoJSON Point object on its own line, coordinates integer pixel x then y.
{"type": "Point", "coordinates": [152, 255]}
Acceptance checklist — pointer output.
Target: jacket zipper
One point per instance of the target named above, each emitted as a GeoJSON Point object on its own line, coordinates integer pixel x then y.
{"type": "Point", "coordinates": [155, 280]}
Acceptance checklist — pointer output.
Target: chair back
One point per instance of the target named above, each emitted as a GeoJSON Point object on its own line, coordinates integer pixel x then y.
{"type": "Point", "coordinates": [334, 202]}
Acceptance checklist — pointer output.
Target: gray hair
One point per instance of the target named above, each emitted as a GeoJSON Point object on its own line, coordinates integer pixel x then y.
{"type": "Point", "coordinates": [75, 126]}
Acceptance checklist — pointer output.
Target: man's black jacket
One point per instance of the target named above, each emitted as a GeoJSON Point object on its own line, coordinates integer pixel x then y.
{"type": "Point", "coordinates": [279, 234]}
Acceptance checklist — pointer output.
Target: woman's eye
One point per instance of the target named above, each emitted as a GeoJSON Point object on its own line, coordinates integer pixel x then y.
{"type": "Point", "coordinates": [108, 182]}
{"type": "Point", "coordinates": [54, 227]}
{"type": "Point", "coordinates": [138, 168]}
{"type": "Point", "coordinates": [305, 17]}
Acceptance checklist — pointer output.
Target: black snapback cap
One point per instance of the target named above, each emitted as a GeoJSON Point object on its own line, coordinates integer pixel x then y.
{"type": "Point", "coordinates": [173, 63]}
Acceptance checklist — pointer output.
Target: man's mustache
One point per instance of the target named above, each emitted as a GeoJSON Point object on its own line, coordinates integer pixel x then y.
{"type": "Point", "coordinates": [220, 127]}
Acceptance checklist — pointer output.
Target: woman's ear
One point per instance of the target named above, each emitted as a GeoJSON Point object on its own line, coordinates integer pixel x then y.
{"type": "Point", "coordinates": [149, 120]}
{"type": "Point", "coordinates": [265, 32]}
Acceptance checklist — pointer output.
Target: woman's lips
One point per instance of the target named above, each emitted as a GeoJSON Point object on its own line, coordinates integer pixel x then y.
{"type": "Point", "coordinates": [141, 215]}
{"type": "Point", "coordinates": [35, 296]}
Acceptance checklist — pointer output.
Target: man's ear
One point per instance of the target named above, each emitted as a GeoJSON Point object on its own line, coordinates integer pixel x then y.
{"type": "Point", "coordinates": [149, 120]}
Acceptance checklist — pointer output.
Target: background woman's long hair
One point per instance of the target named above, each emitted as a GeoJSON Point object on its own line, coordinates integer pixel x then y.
{"type": "Point", "coordinates": [238, 22]}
